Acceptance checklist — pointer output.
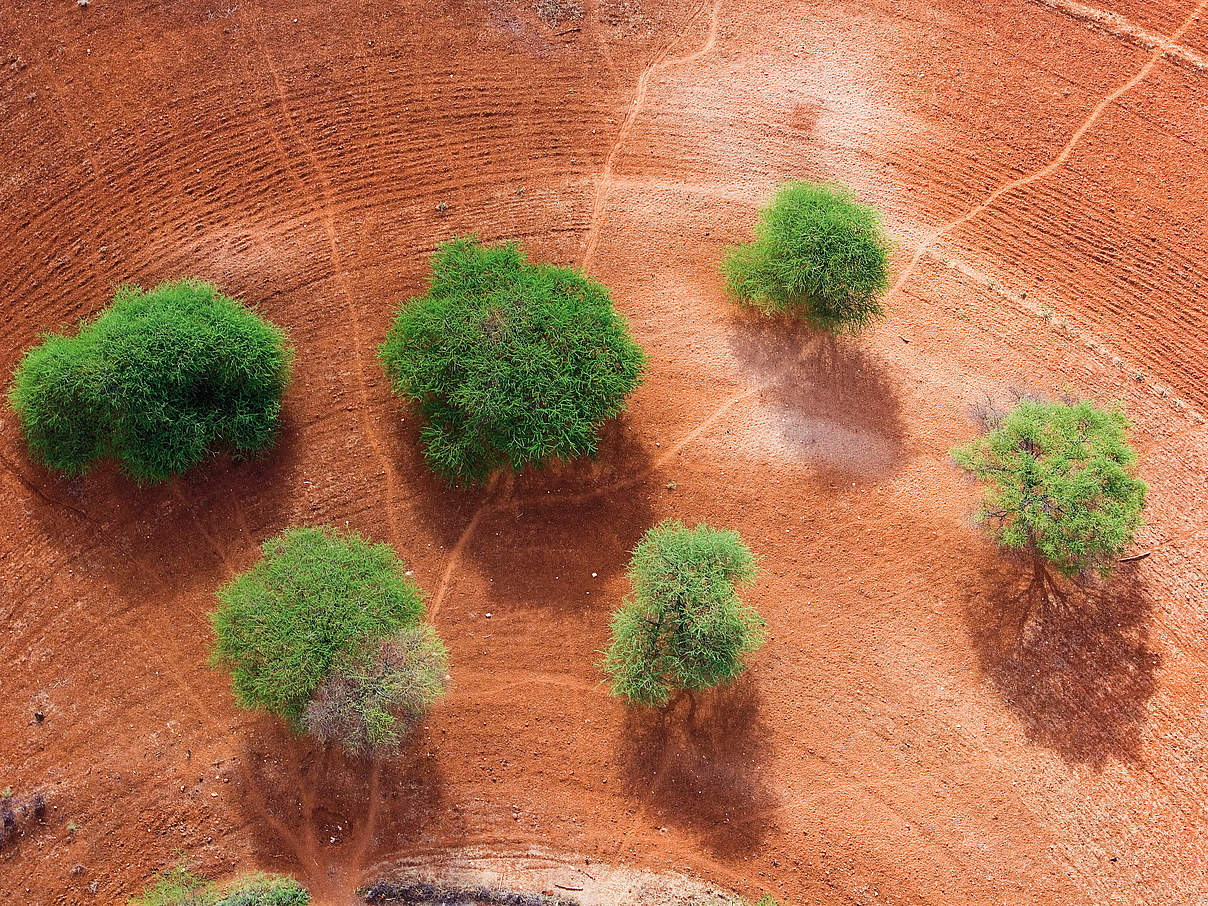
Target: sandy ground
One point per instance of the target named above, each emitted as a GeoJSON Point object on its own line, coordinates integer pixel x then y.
{"type": "Point", "coordinates": [1042, 169]}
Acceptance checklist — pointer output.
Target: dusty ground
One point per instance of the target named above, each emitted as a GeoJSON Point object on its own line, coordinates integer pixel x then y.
{"type": "Point", "coordinates": [1042, 167]}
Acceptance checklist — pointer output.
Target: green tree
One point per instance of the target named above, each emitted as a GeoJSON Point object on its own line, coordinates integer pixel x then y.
{"type": "Point", "coordinates": [818, 255]}
{"type": "Point", "coordinates": [684, 628]}
{"type": "Point", "coordinates": [509, 363]}
{"type": "Point", "coordinates": [159, 381]}
{"type": "Point", "coordinates": [180, 886]}
{"type": "Point", "coordinates": [1060, 483]}
{"type": "Point", "coordinates": [325, 611]}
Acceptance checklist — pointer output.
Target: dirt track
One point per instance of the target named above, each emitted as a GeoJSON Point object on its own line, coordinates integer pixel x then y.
{"type": "Point", "coordinates": [1042, 167]}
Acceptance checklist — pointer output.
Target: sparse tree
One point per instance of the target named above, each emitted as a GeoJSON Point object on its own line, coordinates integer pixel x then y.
{"type": "Point", "coordinates": [685, 627]}
{"type": "Point", "coordinates": [368, 703]}
{"type": "Point", "coordinates": [1060, 483]}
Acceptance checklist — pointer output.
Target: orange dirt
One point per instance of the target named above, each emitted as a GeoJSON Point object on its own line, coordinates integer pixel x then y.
{"type": "Point", "coordinates": [898, 740]}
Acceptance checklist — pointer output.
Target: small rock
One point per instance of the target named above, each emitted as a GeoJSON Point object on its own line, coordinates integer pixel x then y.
{"type": "Point", "coordinates": [83, 3]}
{"type": "Point", "coordinates": [39, 716]}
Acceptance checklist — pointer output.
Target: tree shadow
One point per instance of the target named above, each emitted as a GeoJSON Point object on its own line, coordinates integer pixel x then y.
{"type": "Point", "coordinates": [548, 535]}
{"type": "Point", "coordinates": [170, 531]}
{"type": "Point", "coordinates": [318, 811]}
{"type": "Point", "coordinates": [699, 764]}
{"type": "Point", "coordinates": [824, 400]}
{"type": "Point", "coordinates": [1071, 660]}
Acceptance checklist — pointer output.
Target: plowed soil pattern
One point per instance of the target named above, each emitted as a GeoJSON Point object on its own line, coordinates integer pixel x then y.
{"type": "Point", "coordinates": [900, 739]}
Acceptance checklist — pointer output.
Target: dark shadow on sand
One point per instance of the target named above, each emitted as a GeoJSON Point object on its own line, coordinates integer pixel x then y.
{"type": "Point", "coordinates": [1071, 660]}
{"type": "Point", "coordinates": [832, 405]}
{"type": "Point", "coordinates": [167, 532]}
{"type": "Point", "coordinates": [699, 763]}
{"type": "Point", "coordinates": [312, 808]}
{"type": "Point", "coordinates": [545, 532]}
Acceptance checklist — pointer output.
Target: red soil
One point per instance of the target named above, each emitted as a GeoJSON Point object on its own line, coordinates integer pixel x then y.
{"type": "Point", "coordinates": [897, 741]}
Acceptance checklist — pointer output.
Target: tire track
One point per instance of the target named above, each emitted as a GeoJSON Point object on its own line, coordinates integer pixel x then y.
{"type": "Point", "coordinates": [1120, 27]}
{"type": "Point", "coordinates": [599, 206]}
{"type": "Point", "coordinates": [325, 206]}
{"type": "Point", "coordinates": [30, 485]}
{"type": "Point", "coordinates": [485, 507]}
{"type": "Point", "coordinates": [356, 864]}
{"type": "Point", "coordinates": [1052, 166]}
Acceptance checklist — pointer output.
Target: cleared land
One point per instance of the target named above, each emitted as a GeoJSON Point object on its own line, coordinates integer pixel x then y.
{"type": "Point", "coordinates": [1043, 170]}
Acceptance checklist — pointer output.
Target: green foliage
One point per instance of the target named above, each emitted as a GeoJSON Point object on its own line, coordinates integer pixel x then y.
{"type": "Point", "coordinates": [180, 886]}
{"type": "Point", "coordinates": [818, 255]}
{"type": "Point", "coordinates": [160, 380]}
{"type": "Point", "coordinates": [310, 605]}
{"type": "Point", "coordinates": [263, 890]}
{"type": "Point", "coordinates": [509, 363]}
{"type": "Point", "coordinates": [177, 886]}
{"type": "Point", "coordinates": [685, 627]}
{"type": "Point", "coordinates": [1060, 483]}
{"type": "Point", "coordinates": [369, 703]}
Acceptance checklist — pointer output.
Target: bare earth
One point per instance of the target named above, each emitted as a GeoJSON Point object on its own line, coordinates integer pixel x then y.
{"type": "Point", "coordinates": [1042, 168]}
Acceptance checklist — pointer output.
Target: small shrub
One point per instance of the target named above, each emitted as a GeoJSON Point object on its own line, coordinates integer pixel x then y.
{"type": "Point", "coordinates": [177, 886]}
{"type": "Point", "coordinates": [159, 381]}
{"type": "Point", "coordinates": [818, 255]}
{"type": "Point", "coordinates": [509, 363]}
{"type": "Point", "coordinates": [325, 606]}
{"type": "Point", "coordinates": [685, 627]}
{"type": "Point", "coordinates": [180, 886]}
{"type": "Point", "coordinates": [370, 702]}
{"type": "Point", "coordinates": [263, 890]}
{"type": "Point", "coordinates": [1060, 483]}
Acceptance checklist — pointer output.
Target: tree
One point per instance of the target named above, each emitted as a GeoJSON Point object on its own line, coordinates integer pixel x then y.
{"type": "Point", "coordinates": [818, 255]}
{"type": "Point", "coordinates": [325, 628]}
{"type": "Point", "coordinates": [160, 380]}
{"type": "Point", "coordinates": [181, 886]}
{"type": "Point", "coordinates": [685, 627]}
{"type": "Point", "coordinates": [509, 363]}
{"type": "Point", "coordinates": [1060, 483]}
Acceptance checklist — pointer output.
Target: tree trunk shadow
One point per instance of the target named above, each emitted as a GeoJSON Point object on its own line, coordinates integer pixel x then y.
{"type": "Point", "coordinates": [698, 763]}
{"type": "Point", "coordinates": [1072, 660]}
